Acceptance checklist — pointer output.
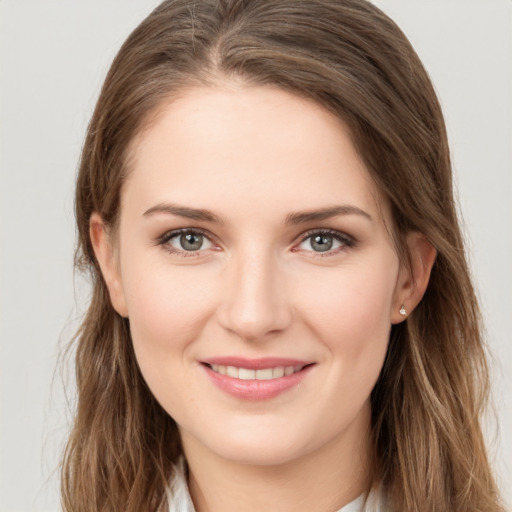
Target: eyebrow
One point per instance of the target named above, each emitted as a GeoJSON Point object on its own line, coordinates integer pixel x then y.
{"type": "Point", "coordinates": [202, 214]}
{"type": "Point", "coordinates": [185, 211]}
{"type": "Point", "coordinates": [325, 213]}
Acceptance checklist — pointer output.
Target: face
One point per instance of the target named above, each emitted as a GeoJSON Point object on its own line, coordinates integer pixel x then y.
{"type": "Point", "coordinates": [254, 264]}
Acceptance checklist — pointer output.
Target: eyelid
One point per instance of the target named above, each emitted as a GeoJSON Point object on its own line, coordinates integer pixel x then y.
{"type": "Point", "coordinates": [344, 238]}
{"type": "Point", "coordinates": [168, 235]}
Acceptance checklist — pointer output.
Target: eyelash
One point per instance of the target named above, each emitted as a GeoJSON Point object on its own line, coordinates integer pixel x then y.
{"type": "Point", "coordinates": [346, 240]}
{"type": "Point", "coordinates": [343, 238]}
{"type": "Point", "coordinates": [167, 237]}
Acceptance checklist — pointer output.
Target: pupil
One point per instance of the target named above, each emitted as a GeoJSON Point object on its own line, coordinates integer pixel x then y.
{"type": "Point", "coordinates": [191, 241]}
{"type": "Point", "coordinates": [321, 243]}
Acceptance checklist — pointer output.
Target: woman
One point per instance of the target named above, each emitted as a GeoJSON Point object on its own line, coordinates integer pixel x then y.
{"type": "Point", "coordinates": [282, 315]}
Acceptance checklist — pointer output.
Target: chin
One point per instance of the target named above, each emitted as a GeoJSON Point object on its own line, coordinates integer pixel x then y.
{"type": "Point", "coordinates": [260, 446]}
{"type": "Point", "coordinates": [254, 454]}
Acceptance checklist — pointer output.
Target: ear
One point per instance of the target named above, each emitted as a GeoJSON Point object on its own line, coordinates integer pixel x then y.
{"type": "Point", "coordinates": [412, 283]}
{"type": "Point", "coordinates": [106, 257]}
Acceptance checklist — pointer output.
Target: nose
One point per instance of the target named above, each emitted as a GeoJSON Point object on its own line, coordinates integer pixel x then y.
{"type": "Point", "coordinates": [255, 303]}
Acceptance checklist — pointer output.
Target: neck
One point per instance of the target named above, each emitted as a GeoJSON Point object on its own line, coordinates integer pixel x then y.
{"type": "Point", "coordinates": [323, 480]}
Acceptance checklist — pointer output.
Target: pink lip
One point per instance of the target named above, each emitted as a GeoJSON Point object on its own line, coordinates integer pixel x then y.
{"type": "Point", "coordinates": [256, 390]}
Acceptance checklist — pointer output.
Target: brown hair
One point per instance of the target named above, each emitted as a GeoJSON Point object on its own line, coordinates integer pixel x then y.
{"type": "Point", "coordinates": [352, 59]}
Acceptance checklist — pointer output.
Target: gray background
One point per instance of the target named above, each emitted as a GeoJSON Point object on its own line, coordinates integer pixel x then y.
{"type": "Point", "coordinates": [54, 55]}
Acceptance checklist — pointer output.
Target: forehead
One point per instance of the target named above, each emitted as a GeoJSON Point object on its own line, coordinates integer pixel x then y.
{"type": "Point", "coordinates": [244, 149]}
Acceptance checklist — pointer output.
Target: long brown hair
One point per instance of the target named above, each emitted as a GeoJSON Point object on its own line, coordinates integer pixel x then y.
{"type": "Point", "coordinates": [349, 57]}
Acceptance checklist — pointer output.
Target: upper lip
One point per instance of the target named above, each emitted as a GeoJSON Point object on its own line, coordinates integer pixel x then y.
{"type": "Point", "coordinates": [255, 364]}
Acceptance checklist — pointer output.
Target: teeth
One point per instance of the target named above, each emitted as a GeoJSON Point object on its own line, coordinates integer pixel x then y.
{"type": "Point", "coordinates": [278, 372]}
{"type": "Point", "coordinates": [245, 374]}
{"type": "Point", "coordinates": [263, 374]}
{"type": "Point", "coordinates": [232, 371]}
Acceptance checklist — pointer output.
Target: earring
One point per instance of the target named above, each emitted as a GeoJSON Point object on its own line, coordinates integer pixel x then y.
{"type": "Point", "coordinates": [403, 311]}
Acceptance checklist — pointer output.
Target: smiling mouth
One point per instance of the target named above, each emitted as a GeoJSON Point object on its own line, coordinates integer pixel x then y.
{"type": "Point", "coordinates": [261, 374]}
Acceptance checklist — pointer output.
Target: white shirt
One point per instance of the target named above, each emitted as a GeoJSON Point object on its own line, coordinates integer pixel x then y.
{"type": "Point", "coordinates": [180, 500]}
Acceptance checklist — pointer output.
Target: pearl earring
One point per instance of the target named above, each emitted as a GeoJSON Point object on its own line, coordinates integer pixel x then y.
{"type": "Point", "coordinates": [403, 311]}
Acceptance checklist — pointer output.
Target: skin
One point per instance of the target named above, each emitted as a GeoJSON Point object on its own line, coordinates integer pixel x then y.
{"type": "Point", "coordinates": [257, 287]}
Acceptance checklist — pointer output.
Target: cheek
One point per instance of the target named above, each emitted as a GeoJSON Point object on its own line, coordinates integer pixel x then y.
{"type": "Point", "coordinates": [357, 299]}
{"type": "Point", "coordinates": [167, 307]}
{"type": "Point", "coordinates": [352, 320]}
{"type": "Point", "coordinates": [352, 317]}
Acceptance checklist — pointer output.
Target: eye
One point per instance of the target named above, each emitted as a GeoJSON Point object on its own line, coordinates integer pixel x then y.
{"type": "Point", "coordinates": [186, 241]}
{"type": "Point", "coordinates": [327, 241]}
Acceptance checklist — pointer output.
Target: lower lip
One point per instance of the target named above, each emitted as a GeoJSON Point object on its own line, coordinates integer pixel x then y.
{"type": "Point", "coordinates": [256, 389]}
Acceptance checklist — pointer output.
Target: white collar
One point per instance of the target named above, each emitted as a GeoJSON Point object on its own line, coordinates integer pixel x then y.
{"type": "Point", "coordinates": [180, 500]}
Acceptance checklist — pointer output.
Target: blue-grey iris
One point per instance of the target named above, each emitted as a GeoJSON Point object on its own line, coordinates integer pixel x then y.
{"type": "Point", "coordinates": [191, 241]}
{"type": "Point", "coordinates": [321, 243]}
